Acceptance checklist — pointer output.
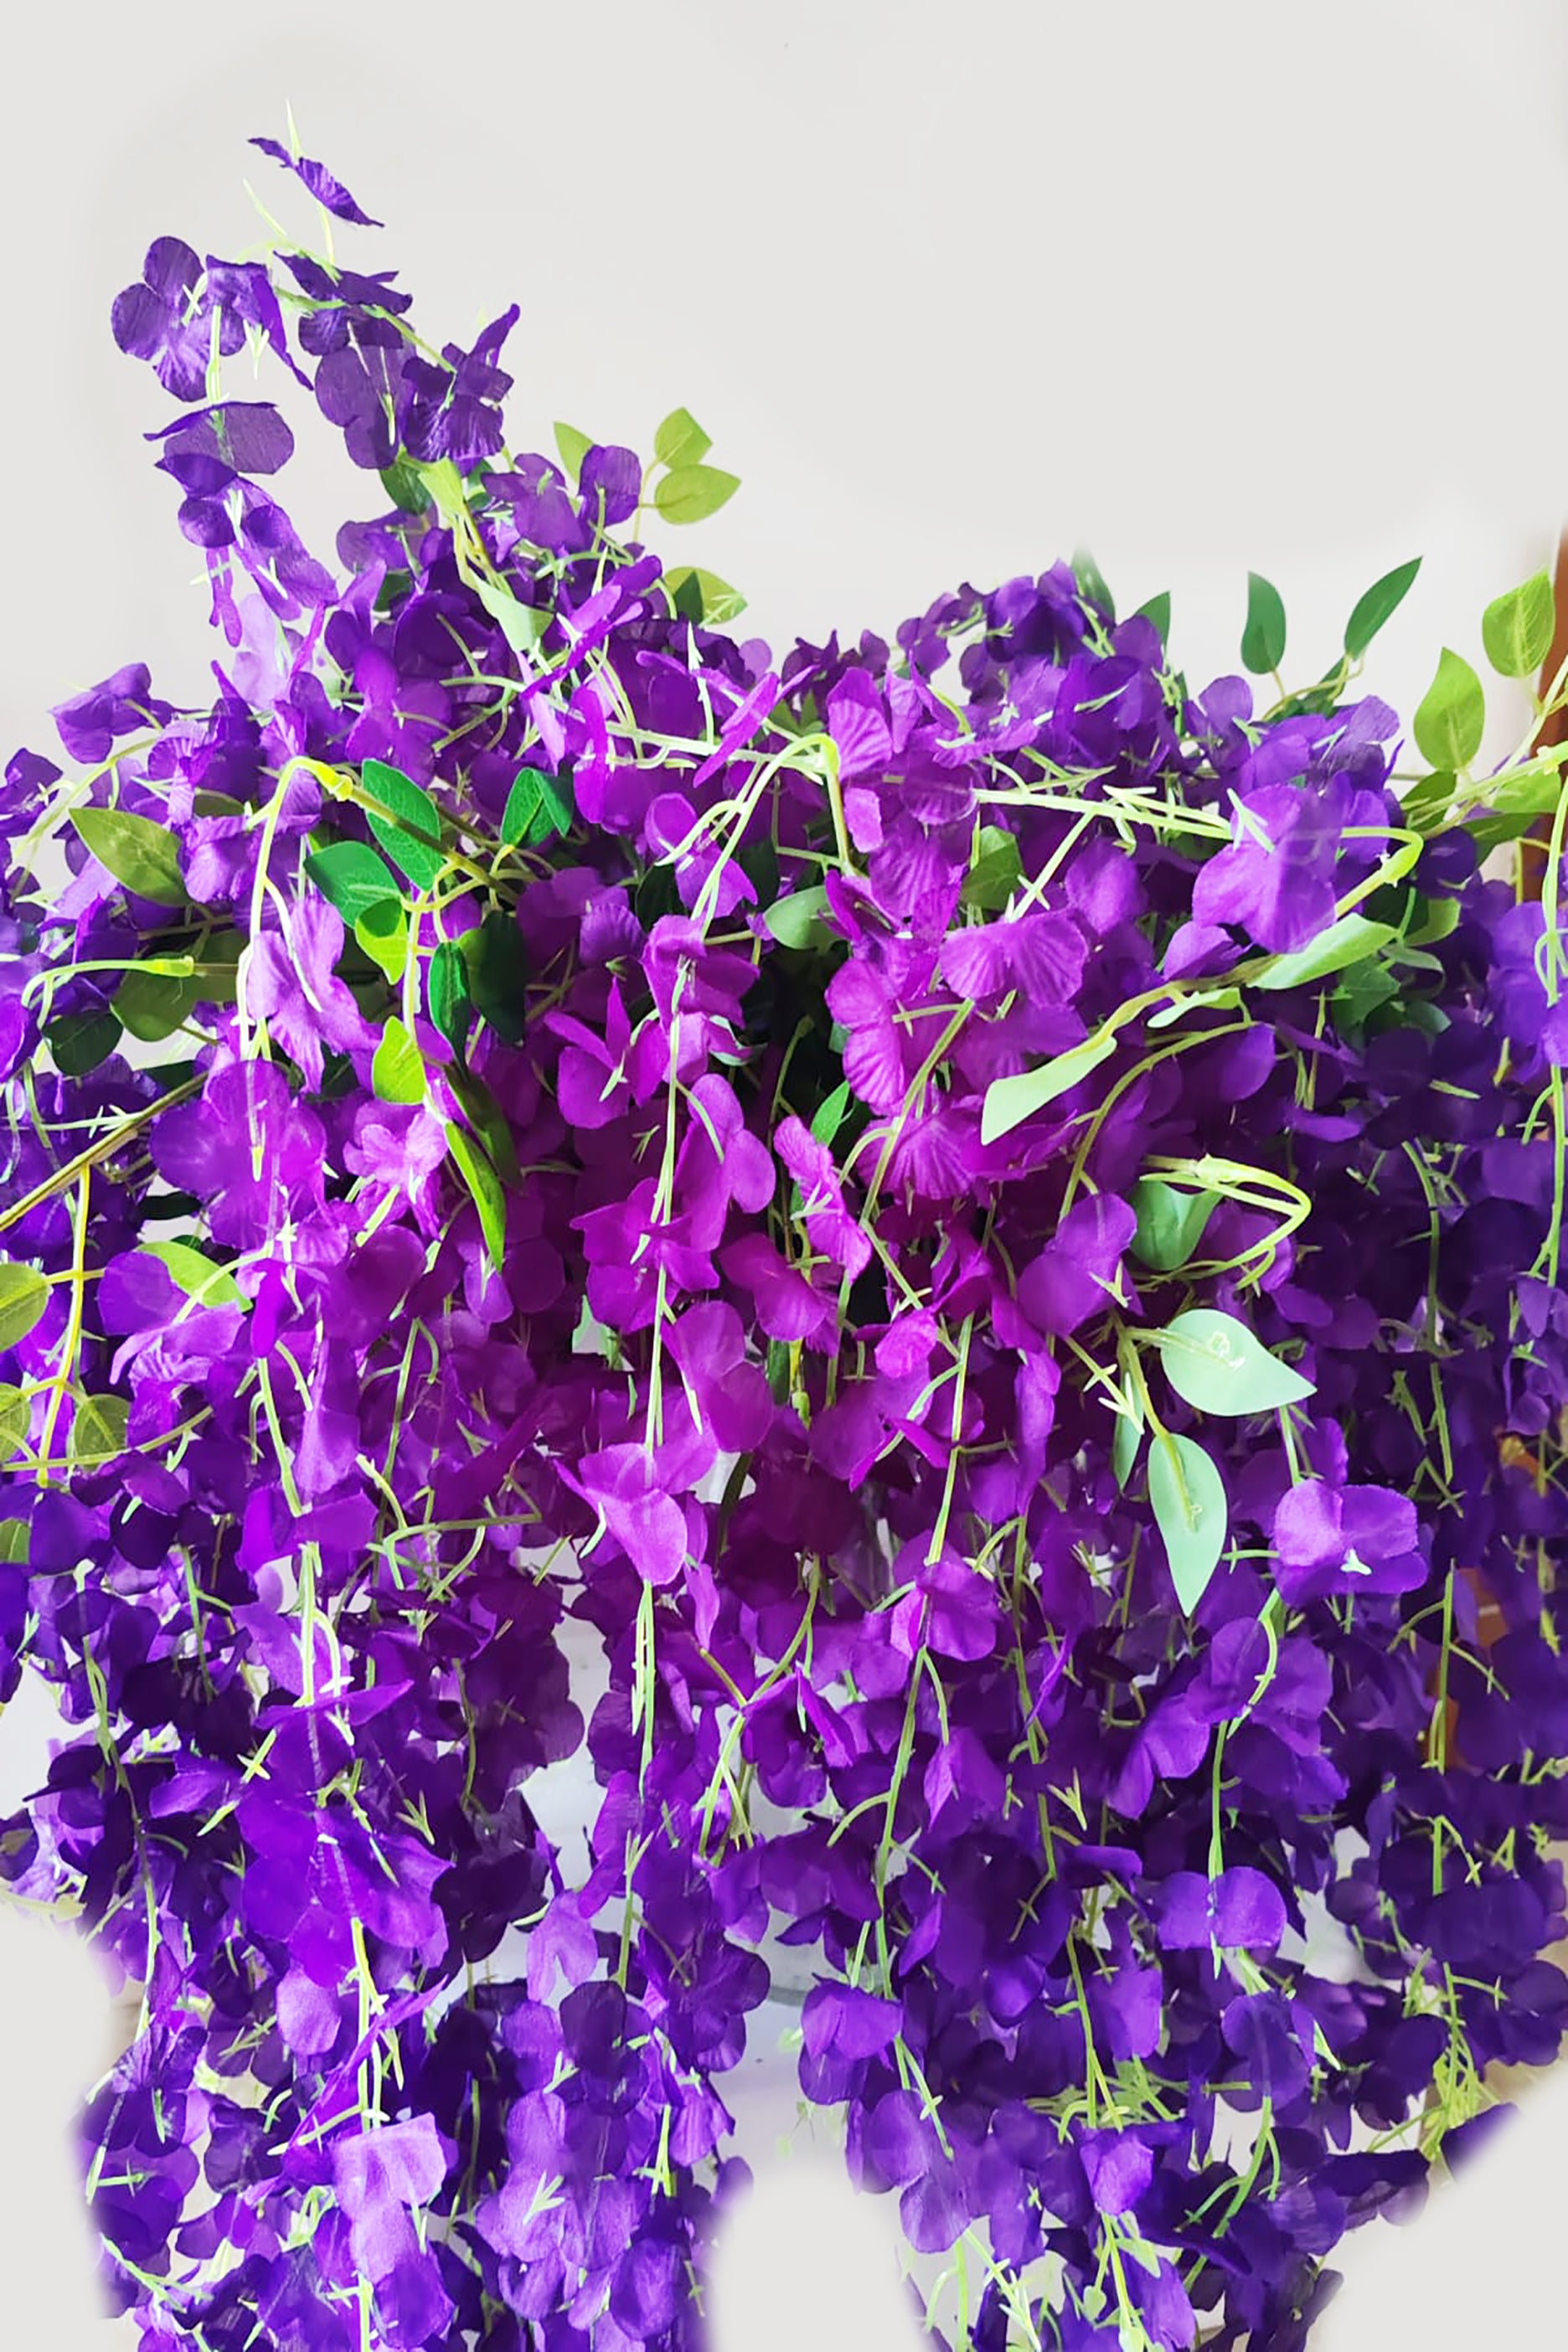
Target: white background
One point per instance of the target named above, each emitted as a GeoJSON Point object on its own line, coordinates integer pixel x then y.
{"type": "Point", "coordinates": [953, 290]}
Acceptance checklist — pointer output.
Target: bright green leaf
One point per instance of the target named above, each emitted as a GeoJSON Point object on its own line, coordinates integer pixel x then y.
{"type": "Point", "coordinates": [15, 1418]}
{"type": "Point", "coordinates": [1427, 803]}
{"type": "Point", "coordinates": [1378, 605]}
{"type": "Point", "coordinates": [1451, 715]}
{"type": "Point", "coordinates": [521, 624]}
{"type": "Point", "coordinates": [351, 877]}
{"type": "Point", "coordinates": [1191, 1512]}
{"type": "Point", "coordinates": [692, 492]}
{"type": "Point", "coordinates": [485, 1186]}
{"type": "Point", "coordinates": [144, 856]}
{"type": "Point", "coordinates": [1170, 1222]}
{"type": "Point", "coordinates": [412, 835]}
{"type": "Point", "coordinates": [996, 872]}
{"type": "Point", "coordinates": [489, 1121]}
{"type": "Point", "coordinates": [12, 1542]}
{"type": "Point", "coordinates": [1215, 1362]}
{"type": "Point", "coordinates": [1352, 939]}
{"type": "Point", "coordinates": [574, 447]}
{"type": "Point", "coordinates": [522, 806]}
{"type": "Point", "coordinates": [382, 932]}
{"type": "Point", "coordinates": [1263, 638]}
{"type": "Point", "coordinates": [681, 440]}
{"type": "Point", "coordinates": [1010, 1101]}
{"type": "Point", "coordinates": [829, 1114]}
{"type": "Point", "coordinates": [97, 1432]}
{"type": "Point", "coordinates": [1517, 628]}
{"type": "Point", "coordinates": [198, 1275]}
{"type": "Point", "coordinates": [23, 1295]}
{"type": "Point", "coordinates": [1212, 1000]}
{"type": "Point", "coordinates": [397, 1067]}
{"type": "Point", "coordinates": [701, 596]}
{"type": "Point", "coordinates": [558, 803]}
{"type": "Point", "coordinates": [796, 921]}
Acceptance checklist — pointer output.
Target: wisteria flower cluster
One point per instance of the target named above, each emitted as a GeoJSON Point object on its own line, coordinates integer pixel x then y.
{"type": "Point", "coordinates": [996, 1244]}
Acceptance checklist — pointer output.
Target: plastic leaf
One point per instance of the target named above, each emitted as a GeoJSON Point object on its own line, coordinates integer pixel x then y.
{"type": "Point", "coordinates": [996, 871]}
{"type": "Point", "coordinates": [1010, 1101]}
{"type": "Point", "coordinates": [1170, 1222]}
{"type": "Point", "coordinates": [1352, 939]}
{"type": "Point", "coordinates": [1379, 604]}
{"type": "Point", "coordinates": [681, 440]}
{"type": "Point", "coordinates": [1215, 1362]}
{"type": "Point", "coordinates": [1451, 715]}
{"type": "Point", "coordinates": [574, 447]}
{"type": "Point", "coordinates": [382, 932]}
{"type": "Point", "coordinates": [1263, 638]}
{"type": "Point", "coordinates": [1517, 628]}
{"type": "Point", "coordinates": [1191, 1511]}
{"type": "Point", "coordinates": [414, 841]}
{"type": "Point", "coordinates": [198, 1275]}
{"type": "Point", "coordinates": [796, 921]}
{"type": "Point", "coordinates": [1158, 610]}
{"type": "Point", "coordinates": [398, 1069]}
{"type": "Point", "coordinates": [351, 877]}
{"type": "Point", "coordinates": [97, 1432]}
{"type": "Point", "coordinates": [138, 853]}
{"type": "Point", "coordinates": [23, 1295]}
{"type": "Point", "coordinates": [485, 1187]}
{"type": "Point", "coordinates": [689, 493]}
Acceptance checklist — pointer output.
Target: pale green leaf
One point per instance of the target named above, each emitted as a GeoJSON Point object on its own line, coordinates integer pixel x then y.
{"type": "Point", "coordinates": [198, 1275]}
{"type": "Point", "coordinates": [23, 1295]}
{"type": "Point", "coordinates": [1352, 939]}
{"type": "Point", "coordinates": [1215, 1362]}
{"type": "Point", "coordinates": [1517, 628]}
{"type": "Point", "coordinates": [485, 1187]}
{"type": "Point", "coordinates": [1170, 1222]}
{"type": "Point", "coordinates": [681, 440]}
{"type": "Point", "coordinates": [1010, 1101]}
{"type": "Point", "coordinates": [690, 493]}
{"type": "Point", "coordinates": [1451, 715]}
{"type": "Point", "coordinates": [1188, 1497]}
{"type": "Point", "coordinates": [144, 856]}
{"type": "Point", "coordinates": [397, 1067]}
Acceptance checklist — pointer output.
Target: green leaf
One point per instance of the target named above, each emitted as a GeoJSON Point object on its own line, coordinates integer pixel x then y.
{"type": "Point", "coordinates": [1125, 1444]}
{"type": "Point", "coordinates": [446, 991]}
{"type": "Point", "coordinates": [828, 1117]}
{"type": "Point", "coordinates": [144, 856]}
{"type": "Point", "coordinates": [1091, 583]}
{"type": "Point", "coordinates": [689, 493]}
{"type": "Point", "coordinates": [1191, 1511]}
{"type": "Point", "coordinates": [397, 1067]}
{"type": "Point", "coordinates": [80, 1040]}
{"type": "Point", "coordinates": [796, 921]}
{"type": "Point", "coordinates": [198, 1275]}
{"type": "Point", "coordinates": [558, 802]}
{"type": "Point", "coordinates": [498, 973]}
{"type": "Point", "coordinates": [1263, 639]}
{"type": "Point", "coordinates": [574, 447]}
{"type": "Point", "coordinates": [521, 624]}
{"type": "Point", "coordinates": [97, 1430]}
{"type": "Point", "coordinates": [16, 1420]}
{"type": "Point", "coordinates": [1451, 714]}
{"type": "Point", "coordinates": [522, 806]}
{"type": "Point", "coordinates": [414, 841]}
{"type": "Point", "coordinates": [153, 1004]}
{"type": "Point", "coordinates": [382, 932]}
{"type": "Point", "coordinates": [1352, 939]}
{"type": "Point", "coordinates": [1216, 1363]}
{"type": "Point", "coordinates": [351, 877]}
{"type": "Point", "coordinates": [1380, 603]}
{"type": "Point", "coordinates": [703, 598]}
{"type": "Point", "coordinates": [996, 872]}
{"type": "Point", "coordinates": [1010, 1101]}
{"type": "Point", "coordinates": [1158, 610]}
{"type": "Point", "coordinates": [23, 1295]}
{"type": "Point", "coordinates": [489, 1121]}
{"type": "Point", "coordinates": [1170, 1222]}
{"type": "Point", "coordinates": [12, 1542]}
{"type": "Point", "coordinates": [1210, 1000]}
{"type": "Point", "coordinates": [1517, 628]}
{"type": "Point", "coordinates": [1427, 803]}
{"type": "Point", "coordinates": [402, 484]}
{"type": "Point", "coordinates": [485, 1187]}
{"type": "Point", "coordinates": [681, 440]}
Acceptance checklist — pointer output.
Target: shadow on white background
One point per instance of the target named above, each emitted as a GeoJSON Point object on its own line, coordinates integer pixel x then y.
{"type": "Point", "coordinates": [953, 291]}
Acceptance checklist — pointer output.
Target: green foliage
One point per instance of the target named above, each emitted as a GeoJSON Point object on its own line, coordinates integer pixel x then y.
{"type": "Point", "coordinates": [690, 493]}
{"type": "Point", "coordinates": [1381, 601]}
{"type": "Point", "coordinates": [1215, 1362]}
{"type": "Point", "coordinates": [1263, 638]}
{"type": "Point", "coordinates": [351, 877]}
{"type": "Point", "coordinates": [1191, 1510]}
{"type": "Point", "coordinates": [1451, 715]}
{"type": "Point", "coordinates": [1517, 628]}
{"type": "Point", "coordinates": [1010, 1101]}
{"type": "Point", "coordinates": [23, 1295]}
{"type": "Point", "coordinates": [143, 856]}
